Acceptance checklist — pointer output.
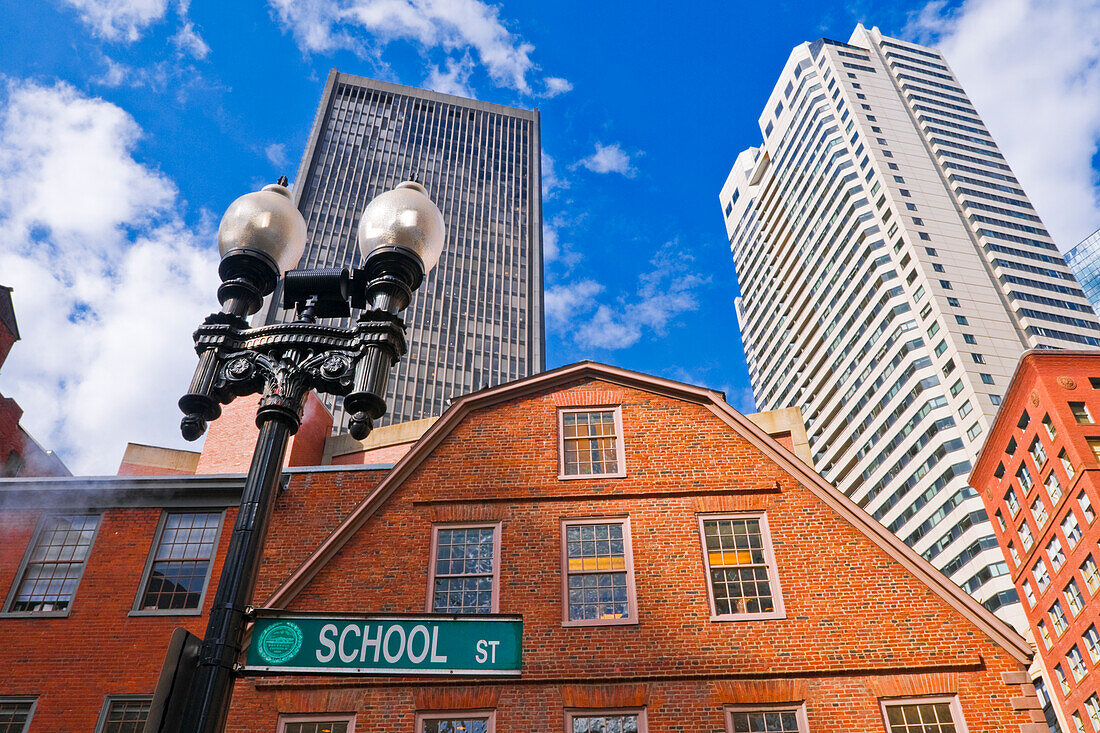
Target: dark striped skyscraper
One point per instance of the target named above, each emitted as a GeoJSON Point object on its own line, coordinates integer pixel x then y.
{"type": "Point", "coordinates": [477, 320]}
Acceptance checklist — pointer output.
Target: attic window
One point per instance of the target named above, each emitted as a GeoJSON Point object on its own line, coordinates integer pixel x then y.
{"type": "Point", "coordinates": [590, 443]}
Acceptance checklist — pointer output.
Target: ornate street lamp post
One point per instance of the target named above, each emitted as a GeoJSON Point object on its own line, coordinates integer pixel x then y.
{"type": "Point", "coordinates": [261, 237]}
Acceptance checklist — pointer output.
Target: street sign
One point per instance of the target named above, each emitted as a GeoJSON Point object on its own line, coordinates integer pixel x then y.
{"type": "Point", "coordinates": [295, 643]}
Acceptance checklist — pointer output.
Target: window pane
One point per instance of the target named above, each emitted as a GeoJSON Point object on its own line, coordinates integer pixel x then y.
{"type": "Point", "coordinates": [596, 567]}
{"type": "Point", "coordinates": [126, 716]}
{"type": "Point", "coordinates": [456, 725]}
{"type": "Point", "coordinates": [463, 570]}
{"type": "Point", "coordinates": [14, 716]}
{"type": "Point", "coordinates": [605, 724]}
{"type": "Point", "coordinates": [929, 717]}
{"type": "Point", "coordinates": [56, 564]}
{"type": "Point", "coordinates": [588, 443]}
{"type": "Point", "coordinates": [317, 726]}
{"type": "Point", "coordinates": [181, 561]}
{"type": "Point", "coordinates": [769, 721]}
{"type": "Point", "coordinates": [738, 568]}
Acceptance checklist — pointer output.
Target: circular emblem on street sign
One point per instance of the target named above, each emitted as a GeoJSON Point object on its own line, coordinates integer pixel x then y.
{"type": "Point", "coordinates": [279, 642]}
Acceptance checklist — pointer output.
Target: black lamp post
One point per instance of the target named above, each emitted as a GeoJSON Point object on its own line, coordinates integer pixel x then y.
{"type": "Point", "coordinates": [261, 237]}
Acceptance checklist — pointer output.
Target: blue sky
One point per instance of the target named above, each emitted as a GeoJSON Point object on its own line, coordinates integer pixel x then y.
{"type": "Point", "coordinates": [127, 126]}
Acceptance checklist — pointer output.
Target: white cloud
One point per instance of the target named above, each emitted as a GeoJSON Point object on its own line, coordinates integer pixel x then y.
{"type": "Point", "coordinates": [664, 293]}
{"type": "Point", "coordinates": [108, 281]}
{"type": "Point", "coordinates": [276, 153]}
{"type": "Point", "coordinates": [189, 42]}
{"type": "Point", "coordinates": [608, 159]}
{"type": "Point", "coordinates": [550, 180]}
{"type": "Point", "coordinates": [361, 26]}
{"type": "Point", "coordinates": [1032, 70]}
{"type": "Point", "coordinates": [455, 80]}
{"type": "Point", "coordinates": [152, 76]}
{"type": "Point", "coordinates": [119, 20]}
{"type": "Point", "coordinates": [556, 85]}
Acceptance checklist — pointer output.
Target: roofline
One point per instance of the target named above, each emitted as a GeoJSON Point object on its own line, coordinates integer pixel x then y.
{"type": "Point", "coordinates": [1017, 375]}
{"type": "Point", "coordinates": [996, 629]}
{"type": "Point", "coordinates": [428, 94]}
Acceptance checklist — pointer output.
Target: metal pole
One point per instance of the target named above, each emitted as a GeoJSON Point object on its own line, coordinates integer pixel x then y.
{"type": "Point", "coordinates": [208, 703]}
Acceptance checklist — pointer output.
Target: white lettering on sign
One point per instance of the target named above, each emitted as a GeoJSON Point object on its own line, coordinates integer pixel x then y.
{"type": "Point", "coordinates": [486, 651]}
{"type": "Point", "coordinates": [391, 658]}
{"type": "Point", "coordinates": [348, 657]}
{"type": "Point", "coordinates": [376, 642]}
{"type": "Point", "coordinates": [413, 656]}
{"type": "Point", "coordinates": [390, 641]}
{"type": "Point", "coordinates": [437, 658]}
{"type": "Point", "coordinates": [327, 643]}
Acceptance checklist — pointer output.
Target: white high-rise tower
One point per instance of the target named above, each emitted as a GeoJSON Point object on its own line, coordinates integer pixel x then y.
{"type": "Point", "coordinates": [892, 271]}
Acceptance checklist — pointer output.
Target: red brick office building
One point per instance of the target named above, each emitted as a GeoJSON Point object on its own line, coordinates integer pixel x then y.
{"type": "Point", "coordinates": [733, 589]}
{"type": "Point", "coordinates": [1039, 474]}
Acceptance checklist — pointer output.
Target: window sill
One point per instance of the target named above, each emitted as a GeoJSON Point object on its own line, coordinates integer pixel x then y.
{"type": "Point", "coordinates": [771, 615]}
{"type": "Point", "coordinates": [168, 612]}
{"type": "Point", "coordinates": [572, 477]}
{"type": "Point", "coordinates": [35, 614]}
{"type": "Point", "coordinates": [597, 623]}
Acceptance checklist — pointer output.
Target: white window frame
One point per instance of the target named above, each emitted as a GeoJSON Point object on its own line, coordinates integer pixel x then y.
{"type": "Point", "coordinates": [348, 718]}
{"type": "Point", "coordinates": [769, 560]}
{"type": "Point", "coordinates": [423, 716]}
{"type": "Point", "coordinates": [620, 443]}
{"type": "Point", "coordinates": [956, 709]}
{"type": "Point", "coordinates": [570, 713]}
{"type": "Point", "coordinates": [799, 709]}
{"type": "Point", "coordinates": [631, 589]}
{"type": "Point", "coordinates": [496, 527]}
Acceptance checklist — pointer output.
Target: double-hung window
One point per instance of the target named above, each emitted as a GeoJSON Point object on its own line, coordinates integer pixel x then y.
{"type": "Point", "coordinates": [1039, 511]}
{"type": "Point", "coordinates": [1071, 529]}
{"type": "Point", "coordinates": [591, 443]}
{"type": "Point", "coordinates": [1056, 554]}
{"type": "Point", "coordinates": [54, 564]}
{"type": "Point", "coordinates": [1091, 574]}
{"type": "Point", "coordinates": [1042, 577]}
{"type": "Point", "coordinates": [766, 719]}
{"type": "Point", "coordinates": [933, 715]}
{"type": "Point", "coordinates": [16, 714]}
{"type": "Point", "coordinates": [609, 721]}
{"type": "Point", "coordinates": [179, 567]}
{"type": "Point", "coordinates": [318, 723]}
{"type": "Point", "coordinates": [455, 722]}
{"type": "Point", "coordinates": [1058, 618]}
{"type": "Point", "coordinates": [741, 571]}
{"type": "Point", "coordinates": [598, 578]}
{"type": "Point", "coordinates": [1074, 598]}
{"type": "Point", "coordinates": [1054, 487]}
{"type": "Point", "coordinates": [465, 568]}
{"type": "Point", "coordinates": [124, 714]}
{"type": "Point", "coordinates": [1025, 535]}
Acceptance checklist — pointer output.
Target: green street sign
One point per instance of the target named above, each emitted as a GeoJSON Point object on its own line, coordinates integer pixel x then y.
{"type": "Point", "coordinates": [295, 643]}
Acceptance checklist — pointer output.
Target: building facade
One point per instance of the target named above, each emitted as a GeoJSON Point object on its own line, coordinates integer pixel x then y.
{"type": "Point", "coordinates": [477, 320]}
{"type": "Point", "coordinates": [20, 454]}
{"type": "Point", "coordinates": [1039, 476]}
{"type": "Point", "coordinates": [1084, 260]}
{"type": "Point", "coordinates": [891, 272]}
{"type": "Point", "coordinates": [673, 568]}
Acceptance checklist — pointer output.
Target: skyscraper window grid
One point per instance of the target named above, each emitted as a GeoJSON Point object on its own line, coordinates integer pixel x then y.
{"type": "Point", "coordinates": [845, 316]}
{"type": "Point", "coordinates": [477, 319]}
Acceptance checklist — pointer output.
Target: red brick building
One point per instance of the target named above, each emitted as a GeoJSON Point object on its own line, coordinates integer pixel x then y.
{"type": "Point", "coordinates": [20, 454]}
{"type": "Point", "coordinates": [1040, 478]}
{"type": "Point", "coordinates": [675, 568]}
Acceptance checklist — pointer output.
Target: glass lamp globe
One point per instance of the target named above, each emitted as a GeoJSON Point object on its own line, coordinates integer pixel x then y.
{"type": "Point", "coordinates": [265, 221]}
{"type": "Point", "coordinates": [403, 219]}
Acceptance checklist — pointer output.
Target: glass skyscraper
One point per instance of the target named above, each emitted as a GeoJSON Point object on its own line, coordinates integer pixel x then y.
{"type": "Point", "coordinates": [477, 320]}
{"type": "Point", "coordinates": [1084, 260]}
{"type": "Point", "coordinates": [892, 271]}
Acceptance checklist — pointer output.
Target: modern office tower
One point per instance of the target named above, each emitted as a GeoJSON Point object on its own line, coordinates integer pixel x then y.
{"type": "Point", "coordinates": [477, 320]}
{"type": "Point", "coordinates": [1084, 260]}
{"type": "Point", "coordinates": [892, 272]}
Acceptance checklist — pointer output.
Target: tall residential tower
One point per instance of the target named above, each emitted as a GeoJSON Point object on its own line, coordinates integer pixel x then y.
{"type": "Point", "coordinates": [892, 271]}
{"type": "Point", "coordinates": [477, 320]}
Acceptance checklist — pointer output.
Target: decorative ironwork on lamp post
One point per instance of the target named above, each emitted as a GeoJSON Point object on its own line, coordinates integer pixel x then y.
{"type": "Point", "coordinates": [261, 237]}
